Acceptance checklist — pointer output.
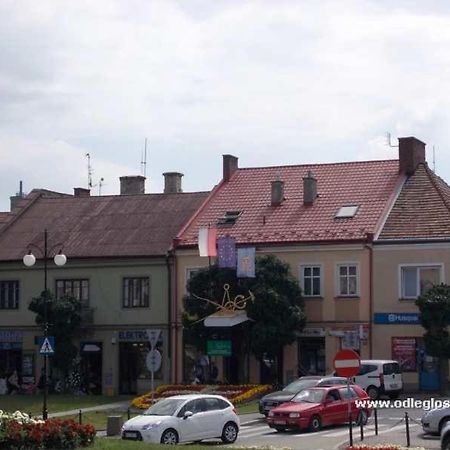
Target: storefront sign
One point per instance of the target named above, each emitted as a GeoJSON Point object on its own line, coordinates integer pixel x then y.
{"type": "Point", "coordinates": [11, 336]}
{"type": "Point", "coordinates": [133, 336]}
{"type": "Point", "coordinates": [312, 332]}
{"type": "Point", "coordinates": [396, 318]}
{"type": "Point", "coordinates": [219, 348]}
{"type": "Point", "coordinates": [404, 351]}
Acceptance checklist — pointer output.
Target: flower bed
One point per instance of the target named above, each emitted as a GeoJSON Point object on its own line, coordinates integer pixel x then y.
{"type": "Point", "coordinates": [18, 430]}
{"type": "Point", "coordinates": [235, 393]}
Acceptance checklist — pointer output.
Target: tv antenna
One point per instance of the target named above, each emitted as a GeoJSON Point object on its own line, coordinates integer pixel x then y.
{"type": "Point", "coordinates": [100, 184]}
{"type": "Point", "coordinates": [144, 159]}
{"type": "Point", "coordinates": [388, 137]}
{"type": "Point", "coordinates": [88, 156]}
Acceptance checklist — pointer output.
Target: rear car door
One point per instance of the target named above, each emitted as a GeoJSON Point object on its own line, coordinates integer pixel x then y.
{"type": "Point", "coordinates": [191, 428]}
{"type": "Point", "coordinates": [392, 377]}
{"type": "Point", "coordinates": [213, 417]}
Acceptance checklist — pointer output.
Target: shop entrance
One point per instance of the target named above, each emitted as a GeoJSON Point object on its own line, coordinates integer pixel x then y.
{"type": "Point", "coordinates": [91, 367]}
{"type": "Point", "coordinates": [311, 356]}
{"type": "Point", "coordinates": [10, 358]}
{"type": "Point", "coordinates": [131, 365]}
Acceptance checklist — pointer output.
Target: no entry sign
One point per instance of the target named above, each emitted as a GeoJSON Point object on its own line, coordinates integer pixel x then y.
{"type": "Point", "coordinates": [347, 363]}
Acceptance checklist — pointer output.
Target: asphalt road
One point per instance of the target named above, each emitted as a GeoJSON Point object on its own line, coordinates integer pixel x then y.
{"type": "Point", "coordinates": [391, 424]}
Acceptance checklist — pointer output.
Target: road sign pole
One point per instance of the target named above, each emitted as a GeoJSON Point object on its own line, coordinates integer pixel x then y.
{"type": "Point", "coordinates": [350, 425]}
{"type": "Point", "coordinates": [153, 385]}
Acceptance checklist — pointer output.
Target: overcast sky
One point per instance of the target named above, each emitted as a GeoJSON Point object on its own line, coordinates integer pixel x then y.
{"type": "Point", "coordinates": [272, 82]}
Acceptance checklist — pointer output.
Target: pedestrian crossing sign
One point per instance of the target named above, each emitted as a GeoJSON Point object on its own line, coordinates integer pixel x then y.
{"type": "Point", "coordinates": [47, 345]}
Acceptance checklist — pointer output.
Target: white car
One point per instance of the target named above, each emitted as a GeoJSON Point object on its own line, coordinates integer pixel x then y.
{"type": "Point", "coordinates": [185, 418]}
{"type": "Point", "coordinates": [434, 420]}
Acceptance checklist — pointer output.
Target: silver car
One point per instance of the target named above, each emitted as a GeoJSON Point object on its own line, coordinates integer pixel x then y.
{"type": "Point", "coordinates": [434, 420]}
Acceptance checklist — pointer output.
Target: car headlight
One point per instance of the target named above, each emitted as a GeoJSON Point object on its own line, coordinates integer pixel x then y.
{"type": "Point", "coordinates": [151, 426]}
{"type": "Point", "coordinates": [294, 415]}
{"type": "Point", "coordinates": [271, 413]}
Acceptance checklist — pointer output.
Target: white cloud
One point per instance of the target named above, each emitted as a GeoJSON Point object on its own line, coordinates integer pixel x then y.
{"type": "Point", "coordinates": [271, 82]}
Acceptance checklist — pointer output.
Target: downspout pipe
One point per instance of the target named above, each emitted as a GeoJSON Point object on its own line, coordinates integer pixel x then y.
{"type": "Point", "coordinates": [369, 246]}
{"type": "Point", "coordinates": [169, 264]}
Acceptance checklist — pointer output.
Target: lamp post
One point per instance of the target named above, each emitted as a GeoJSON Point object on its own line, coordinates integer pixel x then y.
{"type": "Point", "coordinates": [29, 260]}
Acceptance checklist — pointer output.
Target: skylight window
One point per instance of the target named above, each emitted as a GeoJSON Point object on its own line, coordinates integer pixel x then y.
{"type": "Point", "coordinates": [229, 218]}
{"type": "Point", "coordinates": [347, 211]}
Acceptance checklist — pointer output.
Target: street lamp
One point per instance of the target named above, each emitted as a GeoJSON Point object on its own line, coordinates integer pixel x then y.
{"type": "Point", "coordinates": [29, 260]}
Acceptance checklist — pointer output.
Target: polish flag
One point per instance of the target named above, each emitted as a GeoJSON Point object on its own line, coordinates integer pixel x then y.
{"type": "Point", "coordinates": [207, 241]}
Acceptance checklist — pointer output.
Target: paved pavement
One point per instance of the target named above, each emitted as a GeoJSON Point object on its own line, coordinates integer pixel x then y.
{"type": "Point", "coordinates": [117, 406]}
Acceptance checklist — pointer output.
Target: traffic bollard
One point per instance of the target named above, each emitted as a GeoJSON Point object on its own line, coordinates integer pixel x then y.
{"type": "Point", "coordinates": [361, 428]}
{"type": "Point", "coordinates": [80, 420]}
{"type": "Point", "coordinates": [350, 428]}
{"type": "Point", "coordinates": [128, 413]}
{"type": "Point", "coordinates": [408, 442]}
{"type": "Point", "coordinates": [375, 412]}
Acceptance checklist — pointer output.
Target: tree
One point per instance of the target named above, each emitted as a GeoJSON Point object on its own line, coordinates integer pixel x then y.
{"type": "Point", "coordinates": [276, 313]}
{"type": "Point", "coordinates": [64, 323]}
{"type": "Point", "coordinates": [434, 308]}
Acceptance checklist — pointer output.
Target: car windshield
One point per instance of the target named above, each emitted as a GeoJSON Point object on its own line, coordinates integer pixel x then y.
{"type": "Point", "coordinates": [299, 385]}
{"type": "Point", "coordinates": [165, 407]}
{"type": "Point", "coordinates": [309, 396]}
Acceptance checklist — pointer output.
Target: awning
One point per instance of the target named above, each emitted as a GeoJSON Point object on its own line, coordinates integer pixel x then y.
{"type": "Point", "coordinates": [226, 319]}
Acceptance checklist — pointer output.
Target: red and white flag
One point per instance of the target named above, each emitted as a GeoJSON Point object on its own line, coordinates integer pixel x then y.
{"type": "Point", "coordinates": [207, 241]}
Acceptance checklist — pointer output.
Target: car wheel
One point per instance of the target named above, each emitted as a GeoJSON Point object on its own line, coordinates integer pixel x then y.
{"type": "Point", "coordinates": [315, 423]}
{"type": "Point", "coordinates": [372, 392]}
{"type": "Point", "coordinates": [229, 433]}
{"type": "Point", "coordinates": [442, 423]}
{"type": "Point", "coordinates": [280, 429]}
{"type": "Point", "coordinates": [169, 437]}
{"type": "Point", "coordinates": [362, 417]}
{"type": "Point", "coordinates": [446, 443]}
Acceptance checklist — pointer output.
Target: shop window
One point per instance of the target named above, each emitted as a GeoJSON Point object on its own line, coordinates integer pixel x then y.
{"type": "Point", "coordinates": [417, 280]}
{"type": "Point", "coordinates": [310, 280]}
{"type": "Point", "coordinates": [348, 280]}
{"type": "Point", "coordinates": [9, 295]}
{"type": "Point", "coordinates": [136, 292]}
{"type": "Point", "coordinates": [78, 289]}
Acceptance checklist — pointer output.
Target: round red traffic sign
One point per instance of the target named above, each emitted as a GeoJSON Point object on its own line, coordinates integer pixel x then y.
{"type": "Point", "coordinates": [347, 363]}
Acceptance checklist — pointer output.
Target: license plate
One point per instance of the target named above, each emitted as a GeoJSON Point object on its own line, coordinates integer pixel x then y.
{"type": "Point", "coordinates": [279, 422]}
{"type": "Point", "coordinates": [130, 434]}
{"type": "Point", "coordinates": [267, 408]}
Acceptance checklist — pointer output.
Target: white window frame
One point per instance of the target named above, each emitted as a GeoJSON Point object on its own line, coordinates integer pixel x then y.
{"type": "Point", "coordinates": [302, 279]}
{"type": "Point", "coordinates": [338, 279]}
{"type": "Point", "coordinates": [418, 266]}
{"type": "Point", "coordinates": [188, 273]}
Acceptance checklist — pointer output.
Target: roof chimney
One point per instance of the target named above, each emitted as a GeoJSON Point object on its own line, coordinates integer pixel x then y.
{"type": "Point", "coordinates": [277, 192]}
{"type": "Point", "coordinates": [132, 185]}
{"type": "Point", "coordinates": [309, 189]}
{"type": "Point", "coordinates": [230, 165]}
{"type": "Point", "coordinates": [172, 182]}
{"type": "Point", "coordinates": [411, 153]}
{"type": "Point", "coordinates": [14, 199]}
{"type": "Point", "coordinates": [81, 192]}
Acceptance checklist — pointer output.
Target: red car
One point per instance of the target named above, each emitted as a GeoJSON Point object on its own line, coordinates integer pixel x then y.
{"type": "Point", "coordinates": [320, 406]}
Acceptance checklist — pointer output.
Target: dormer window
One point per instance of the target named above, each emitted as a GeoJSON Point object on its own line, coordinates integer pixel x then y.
{"type": "Point", "coordinates": [347, 211]}
{"type": "Point", "coordinates": [229, 218]}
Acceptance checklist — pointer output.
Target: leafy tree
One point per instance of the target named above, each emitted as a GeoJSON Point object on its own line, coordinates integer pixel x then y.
{"type": "Point", "coordinates": [276, 312]}
{"type": "Point", "coordinates": [64, 323]}
{"type": "Point", "coordinates": [434, 308]}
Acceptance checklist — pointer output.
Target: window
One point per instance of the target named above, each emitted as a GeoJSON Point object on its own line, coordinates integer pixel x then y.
{"type": "Point", "coordinates": [73, 288]}
{"type": "Point", "coordinates": [136, 292]}
{"type": "Point", "coordinates": [310, 280]}
{"type": "Point", "coordinates": [347, 280]}
{"type": "Point", "coordinates": [347, 211]}
{"type": "Point", "coordinates": [346, 395]}
{"type": "Point", "coordinates": [417, 280]}
{"type": "Point", "coordinates": [9, 295]}
{"type": "Point", "coordinates": [229, 218]}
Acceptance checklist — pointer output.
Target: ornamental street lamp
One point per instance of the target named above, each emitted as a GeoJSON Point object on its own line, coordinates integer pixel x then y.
{"type": "Point", "coordinates": [29, 260]}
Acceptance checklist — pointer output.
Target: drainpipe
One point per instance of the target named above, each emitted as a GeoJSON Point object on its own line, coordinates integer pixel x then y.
{"type": "Point", "coordinates": [174, 309]}
{"type": "Point", "coordinates": [369, 246]}
{"type": "Point", "coordinates": [169, 257]}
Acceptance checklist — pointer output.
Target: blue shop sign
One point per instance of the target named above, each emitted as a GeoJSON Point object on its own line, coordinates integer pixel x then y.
{"type": "Point", "coordinates": [397, 318]}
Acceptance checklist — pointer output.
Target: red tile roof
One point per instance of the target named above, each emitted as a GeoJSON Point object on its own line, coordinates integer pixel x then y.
{"type": "Point", "coordinates": [105, 226]}
{"type": "Point", "coordinates": [422, 210]}
{"type": "Point", "coordinates": [369, 184]}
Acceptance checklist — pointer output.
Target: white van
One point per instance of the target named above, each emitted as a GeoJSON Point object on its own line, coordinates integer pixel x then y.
{"type": "Point", "coordinates": [380, 376]}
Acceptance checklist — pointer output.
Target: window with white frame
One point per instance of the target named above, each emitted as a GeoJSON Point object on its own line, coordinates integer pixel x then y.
{"type": "Point", "coordinates": [417, 280]}
{"type": "Point", "coordinates": [311, 280]}
{"type": "Point", "coordinates": [348, 283]}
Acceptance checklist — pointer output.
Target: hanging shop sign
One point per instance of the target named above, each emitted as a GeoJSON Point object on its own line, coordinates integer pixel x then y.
{"type": "Point", "coordinates": [219, 348]}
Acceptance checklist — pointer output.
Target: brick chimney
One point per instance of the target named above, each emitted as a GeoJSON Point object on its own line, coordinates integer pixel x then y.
{"type": "Point", "coordinates": [172, 182]}
{"type": "Point", "coordinates": [230, 165]}
{"type": "Point", "coordinates": [14, 199]}
{"type": "Point", "coordinates": [81, 192]}
{"type": "Point", "coordinates": [411, 152]}
{"type": "Point", "coordinates": [309, 189]}
{"type": "Point", "coordinates": [132, 185]}
{"type": "Point", "coordinates": [277, 192]}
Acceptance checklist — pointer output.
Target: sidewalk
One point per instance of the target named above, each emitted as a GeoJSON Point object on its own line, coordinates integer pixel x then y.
{"type": "Point", "coordinates": [118, 406]}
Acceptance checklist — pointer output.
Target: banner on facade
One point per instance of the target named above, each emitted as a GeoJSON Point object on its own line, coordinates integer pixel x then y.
{"type": "Point", "coordinates": [404, 351]}
{"type": "Point", "coordinates": [246, 262]}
